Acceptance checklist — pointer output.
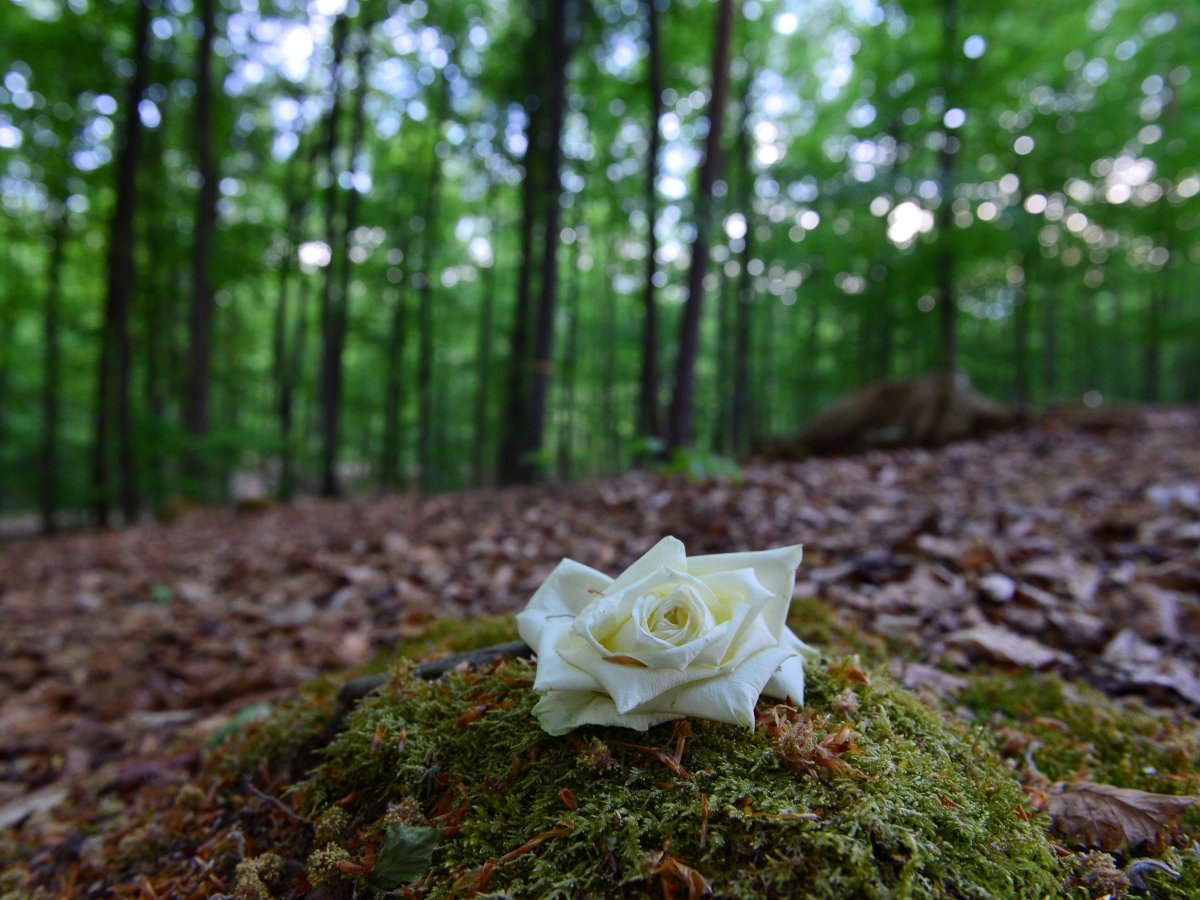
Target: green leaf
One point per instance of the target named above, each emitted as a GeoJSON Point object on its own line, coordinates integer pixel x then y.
{"type": "Point", "coordinates": [406, 855]}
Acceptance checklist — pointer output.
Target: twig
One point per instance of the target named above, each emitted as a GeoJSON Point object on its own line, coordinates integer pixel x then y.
{"type": "Point", "coordinates": [278, 804]}
{"type": "Point", "coordinates": [358, 688]}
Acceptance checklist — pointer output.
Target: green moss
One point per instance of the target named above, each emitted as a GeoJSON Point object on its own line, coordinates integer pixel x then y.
{"type": "Point", "coordinates": [895, 802]}
{"type": "Point", "coordinates": [835, 630]}
{"type": "Point", "coordinates": [1068, 729]}
{"type": "Point", "coordinates": [257, 876]}
{"type": "Point", "coordinates": [866, 792]}
{"type": "Point", "coordinates": [451, 636]}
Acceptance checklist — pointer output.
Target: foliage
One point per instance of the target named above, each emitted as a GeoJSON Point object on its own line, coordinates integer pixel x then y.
{"type": "Point", "coordinates": [1074, 206]}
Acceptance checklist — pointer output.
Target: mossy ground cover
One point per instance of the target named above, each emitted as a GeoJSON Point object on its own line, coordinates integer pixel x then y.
{"type": "Point", "coordinates": [448, 788]}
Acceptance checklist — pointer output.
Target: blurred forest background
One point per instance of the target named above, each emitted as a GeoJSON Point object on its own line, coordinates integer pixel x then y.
{"type": "Point", "coordinates": [336, 247]}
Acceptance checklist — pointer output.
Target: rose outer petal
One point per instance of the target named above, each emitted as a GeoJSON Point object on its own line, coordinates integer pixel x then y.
{"type": "Point", "coordinates": [566, 591]}
{"type": "Point", "coordinates": [730, 697]}
{"type": "Point", "coordinates": [631, 686]}
{"type": "Point", "coordinates": [774, 569]}
{"type": "Point", "coordinates": [553, 672]}
{"type": "Point", "coordinates": [788, 681]}
{"type": "Point", "coordinates": [561, 711]}
{"type": "Point", "coordinates": [666, 554]}
{"type": "Point", "coordinates": [727, 699]}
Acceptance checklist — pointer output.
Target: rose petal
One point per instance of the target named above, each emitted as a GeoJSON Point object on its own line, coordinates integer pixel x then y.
{"type": "Point", "coordinates": [629, 685]}
{"type": "Point", "coordinates": [553, 672]}
{"type": "Point", "coordinates": [788, 680]}
{"type": "Point", "coordinates": [732, 589]}
{"type": "Point", "coordinates": [774, 569]}
{"type": "Point", "coordinates": [746, 623]}
{"type": "Point", "coordinates": [666, 554]}
{"type": "Point", "coordinates": [561, 711]}
{"type": "Point", "coordinates": [566, 591]}
{"type": "Point", "coordinates": [724, 698]}
{"type": "Point", "coordinates": [610, 625]}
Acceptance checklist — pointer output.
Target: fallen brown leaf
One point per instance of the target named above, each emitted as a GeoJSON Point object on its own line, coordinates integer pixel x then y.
{"type": "Point", "coordinates": [1112, 818]}
{"type": "Point", "coordinates": [1004, 646]}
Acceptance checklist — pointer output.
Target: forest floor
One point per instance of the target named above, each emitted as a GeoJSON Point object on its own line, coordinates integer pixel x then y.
{"type": "Point", "coordinates": [1065, 547]}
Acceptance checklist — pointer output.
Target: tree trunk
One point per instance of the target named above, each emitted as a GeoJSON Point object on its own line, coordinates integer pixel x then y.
{"type": "Point", "coordinates": [296, 200]}
{"type": "Point", "coordinates": [391, 462]}
{"type": "Point", "coordinates": [8, 315]}
{"type": "Point", "coordinates": [115, 363]}
{"type": "Point", "coordinates": [516, 398]}
{"type": "Point", "coordinates": [947, 159]}
{"type": "Point", "coordinates": [158, 319]}
{"type": "Point", "coordinates": [331, 302]}
{"type": "Point", "coordinates": [683, 402]}
{"type": "Point", "coordinates": [649, 409]}
{"type": "Point", "coordinates": [1049, 346]}
{"type": "Point", "coordinates": [1021, 335]}
{"type": "Point", "coordinates": [196, 414]}
{"type": "Point", "coordinates": [51, 371]}
{"type": "Point", "coordinates": [287, 395]}
{"type": "Point", "coordinates": [426, 415]}
{"type": "Point", "coordinates": [723, 395]}
{"type": "Point", "coordinates": [483, 352]}
{"type": "Point", "coordinates": [1152, 346]}
{"type": "Point", "coordinates": [608, 391]}
{"type": "Point", "coordinates": [741, 413]}
{"type": "Point", "coordinates": [570, 372]}
{"type": "Point", "coordinates": [551, 153]}
{"type": "Point", "coordinates": [810, 370]}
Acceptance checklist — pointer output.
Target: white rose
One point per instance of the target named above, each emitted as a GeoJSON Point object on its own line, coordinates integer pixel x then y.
{"type": "Point", "coordinates": [671, 637]}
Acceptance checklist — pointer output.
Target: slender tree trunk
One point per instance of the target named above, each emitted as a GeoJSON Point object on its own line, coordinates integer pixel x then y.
{"type": "Point", "coordinates": [516, 397]}
{"type": "Point", "coordinates": [8, 315]}
{"type": "Point", "coordinates": [570, 371]}
{"type": "Point", "coordinates": [1021, 335]}
{"type": "Point", "coordinates": [483, 354]}
{"type": "Point", "coordinates": [741, 413]}
{"type": "Point", "coordinates": [551, 152]}
{"type": "Point", "coordinates": [1049, 345]}
{"type": "Point", "coordinates": [1152, 346]}
{"type": "Point", "coordinates": [650, 413]}
{"type": "Point", "coordinates": [115, 363]}
{"type": "Point", "coordinates": [683, 402]}
{"type": "Point", "coordinates": [391, 464]}
{"type": "Point", "coordinates": [287, 394]}
{"type": "Point", "coordinates": [291, 350]}
{"type": "Point", "coordinates": [340, 268]}
{"type": "Point", "coordinates": [426, 413]}
{"type": "Point", "coordinates": [51, 371]}
{"type": "Point", "coordinates": [156, 297]}
{"type": "Point", "coordinates": [723, 399]}
{"type": "Point", "coordinates": [331, 302]}
{"type": "Point", "coordinates": [810, 371]}
{"type": "Point", "coordinates": [196, 415]}
{"type": "Point", "coordinates": [283, 387]}
{"type": "Point", "coordinates": [888, 288]}
{"type": "Point", "coordinates": [947, 160]}
{"type": "Point", "coordinates": [608, 393]}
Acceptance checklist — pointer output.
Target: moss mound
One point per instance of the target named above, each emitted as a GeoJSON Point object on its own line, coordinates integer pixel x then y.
{"type": "Point", "coordinates": [448, 788]}
{"type": "Point", "coordinates": [868, 792]}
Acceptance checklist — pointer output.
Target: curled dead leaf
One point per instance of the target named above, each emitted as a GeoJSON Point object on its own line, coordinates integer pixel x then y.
{"type": "Point", "coordinates": [678, 878]}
